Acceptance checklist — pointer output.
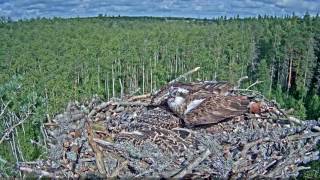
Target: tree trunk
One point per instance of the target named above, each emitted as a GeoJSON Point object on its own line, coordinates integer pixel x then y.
{"type": "Point", "coordinates": [289, 75]}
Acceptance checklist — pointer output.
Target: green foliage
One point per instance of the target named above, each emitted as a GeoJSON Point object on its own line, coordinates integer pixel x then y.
{"type": "Point", "coordinates": [313, 106]}
{"type": "Point", "coordinates": [45, 63]}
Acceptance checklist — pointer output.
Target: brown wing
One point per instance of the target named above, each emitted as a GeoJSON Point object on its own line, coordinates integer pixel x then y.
{"type": "Point", "coordinates": [220, 88]}
{"type": "Point", "coordinates": [215, 109]}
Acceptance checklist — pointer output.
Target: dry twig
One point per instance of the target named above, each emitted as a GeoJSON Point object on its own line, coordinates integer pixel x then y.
{"type": "Point", "coordinates": [40, 173]}
{"type": "Point", "coordinates": [184, 75]}
{"type": "Point", "coordinates": [255, 83]}
{"type": "Point", "coordinates": [188, 169]}
{"type": "Point", "coordinates": [9, 130]}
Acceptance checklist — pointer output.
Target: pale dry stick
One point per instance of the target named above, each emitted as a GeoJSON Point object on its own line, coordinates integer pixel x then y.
{"type": "Point", "coordinates": [99, 108]}
{"type": "Point", "coordinates": [13, 141]}
{"type": "Point", "coordinates": [295, 120]}
{"type": "Point", "coordinates": [14, 151]}
{"type": "Point", "coordinates": [281, 111]}
{"type": "Point", "coordinates": [103, 142]}
{"type": "Point", "coordinates": [289, 111]}
{"type": "Point", "coordinates": [134, 92]}
{"type": "Point", "coordinates": [143, 173]}
{"type": "Point", "coordinates": [300, 168]}
{"type": "Point", "coordinates": [87, 160]}
{"type": "Point", "coordinates": [133, 98]}
{"type": "Point", "coordinates": [255, 83]}
{"type": "Point", "coordinates": [4, 108]}
{"type": "Point", "coordinates": [44, 135]}
{"type": "Point", "coordinates": [303, 136]}
{"type": "Point", "coordinates": [317, 128]}
{"type": "Point", "coordinates": [239, 81]}
{"type": "Point", "coordinates": [184, 129]}
{"type": "Point", "coordinates": [165, 176]}
{"type": "Point", "coordinates": [9, 130]}
{"type": "Point", "coordinates": [98, 153]}
{"type": "Point", "coordinates": [30, 163]}
{"type": "Point", "coordinates": [122, 103]}
{"type": "Point", "coordinates": [192, 165]}
{"type": "Point", "coordinates": [184, 75]}
{"type": "Point", "coordinates": [248, 90]}
{"type": "Point", "coordinates": [48, 118]}
{"type": "Point", "coordinates": [39, 172]}
{"type": "Point", "coordinates": [251, 144]}
{"type": "Point", "coordinates": [291, 119]}
{"type": "Point", "coordinates": [116, 172]}
{"type": "Point", "coordinates": [22, 127]}
{"type": "Point", "coordinates": [18, 145]}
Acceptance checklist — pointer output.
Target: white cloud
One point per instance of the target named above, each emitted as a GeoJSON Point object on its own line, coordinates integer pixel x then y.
{"type": "Point", "coordinates": [186, 8]}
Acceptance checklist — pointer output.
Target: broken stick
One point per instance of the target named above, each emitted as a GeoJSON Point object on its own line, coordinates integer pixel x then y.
{"type": "Point", "coordinates": [188, 169]}
{"type": "Point", "coordinates": [184, 75]}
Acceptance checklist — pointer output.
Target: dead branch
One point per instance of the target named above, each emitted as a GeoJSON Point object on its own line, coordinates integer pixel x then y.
{"type": "Point", "coordinates": [96, 150]}
{"type": "Point", "coordinates": [51, 124]}
{"type": "Point", "coordinates": [133, 98]}
{"type": "Point", "coordinates": [99, 108]}
{"type": "Point", "coordinates": [122, 103]}
{"type": "Point", "coordinates": [240, 81]}
{"type": "Point", "coordinates": [4, 108]}
{"type": "Point", "coordinates": [9, 130]}
{"type": "Point", "coordinates": [102, 142]}
{"type": "Point", "coordinates": [248, 90]}
{"type": "Point", "coordinates": [119, 168]}
{"type": "Point", "coordinates": [129, 140]}
{"type": "Point", "coordinates": [295, 120]}
{"type": "Point", "coordinates": [40, 173]}
{"type": "Point", "coordinates": [134, 92]}
{"type": "Point", "coordinates": [188, 169]}
{"type": "Point", "coordinates": [305, 136]}
{"type": "Point", "coordinates": [184, 129]}
{"type": "Point", "coordinates": [255, 83]}
{"type": "Point", "coordinates": [184, 75]}
{"type": "Point", "coordinates": [251, 144]}
{"type": "Point", "coordinates": [279, 109]}
{"type": "Point", "coordinates": [317, 128]}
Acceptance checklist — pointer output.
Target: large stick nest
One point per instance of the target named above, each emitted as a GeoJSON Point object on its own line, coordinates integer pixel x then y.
{"type": "Point", "coordinates": [130, 138]}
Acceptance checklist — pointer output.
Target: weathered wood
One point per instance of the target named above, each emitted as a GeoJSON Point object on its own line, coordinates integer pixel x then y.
{"type": "Point", "coordinates": [184, 75]}
{"type": "Point", "coordinates": [128, 138]}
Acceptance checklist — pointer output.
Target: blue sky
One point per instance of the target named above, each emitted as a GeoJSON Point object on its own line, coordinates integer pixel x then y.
{"type": "Point", "coordinates": [18, 9]}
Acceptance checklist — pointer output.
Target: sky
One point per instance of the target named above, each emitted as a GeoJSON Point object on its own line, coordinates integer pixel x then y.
{"type": "Point", "coordinates": [21, 9]}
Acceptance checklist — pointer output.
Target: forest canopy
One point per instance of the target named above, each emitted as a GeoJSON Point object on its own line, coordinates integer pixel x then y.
{"type": "Point", "coordinates": [46, 63]}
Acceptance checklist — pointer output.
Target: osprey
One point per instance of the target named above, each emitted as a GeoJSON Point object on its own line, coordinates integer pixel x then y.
{"type": "Point", "coordinates": [201, 103]}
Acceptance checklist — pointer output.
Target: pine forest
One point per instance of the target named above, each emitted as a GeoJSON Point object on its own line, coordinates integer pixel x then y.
{"type": "Point", "coordinates": [46, 63]}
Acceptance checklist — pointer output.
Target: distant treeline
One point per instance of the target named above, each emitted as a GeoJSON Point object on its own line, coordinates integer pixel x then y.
{"type": "Point", "coordinates": [49, 62]}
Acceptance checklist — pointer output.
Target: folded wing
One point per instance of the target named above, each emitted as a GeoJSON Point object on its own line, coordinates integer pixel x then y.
{"type": "Point", "coordinates": [215, 109]}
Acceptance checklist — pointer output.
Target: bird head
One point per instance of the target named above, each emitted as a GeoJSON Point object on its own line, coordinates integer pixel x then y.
{"type": "Point", "coordinates": [258, 107]}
